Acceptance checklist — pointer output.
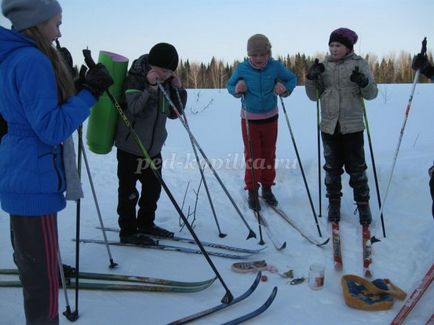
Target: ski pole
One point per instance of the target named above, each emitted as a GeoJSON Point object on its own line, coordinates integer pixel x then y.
{"type": "Point", "coordinates": [73, 316]}
{"type": "Point", "coordinates": [318, 139]}
{"type": "Point", "coordinates": [228, 297]}
{"type": "Point", "coordinates": [251, 232]}
{"type": "Point", "coordinates": [401, 133]}
{"type": "Point", "coordinates": [77, 224]}
{"type": "Point", "coordinates": [373, 162]}
{"type": "Point", "coordinates": [221, 235]}
{"type": "Point", "coordinates": [301, 166]}
{"type": "Point", "coordinates": [112, 263]}
{"type": "Point", "coordinates": [67, 313]}
{"type": "Point", "coordinates": [252, 160]}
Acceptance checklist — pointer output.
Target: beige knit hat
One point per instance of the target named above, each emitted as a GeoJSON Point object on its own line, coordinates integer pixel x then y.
{"type": "Point", "coordinates": [258, 44]}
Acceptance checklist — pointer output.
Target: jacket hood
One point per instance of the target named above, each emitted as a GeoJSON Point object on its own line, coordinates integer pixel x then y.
{"type": "Point", "coordinates": [11, 40]}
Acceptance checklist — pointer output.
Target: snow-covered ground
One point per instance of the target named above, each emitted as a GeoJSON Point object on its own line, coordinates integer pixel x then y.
{"type": "Point", "coordinates": [404, 256]}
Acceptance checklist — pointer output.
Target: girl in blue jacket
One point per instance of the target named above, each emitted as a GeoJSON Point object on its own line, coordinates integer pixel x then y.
{"type": "Point", "coordinates": [41, 109]}
{"type": "Point", "coordinates": [258, 80]}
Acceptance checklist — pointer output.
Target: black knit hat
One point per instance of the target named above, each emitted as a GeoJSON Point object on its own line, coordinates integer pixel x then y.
{"type": "Point", "coordinates": [163, 55]}
{"type": "Point", "coordinates": [344, 36]}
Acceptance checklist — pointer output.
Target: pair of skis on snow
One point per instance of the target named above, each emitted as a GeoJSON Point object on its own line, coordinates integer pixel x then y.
{"type": "Point", "coordinates": [366, 249]}
{"type": "Point", "coordinates": [280, 244]}
{"type": "Point", "coordinates": [236, 300]}
{"type": "Point", "coordinates": [119, 282]}
{"type": "Point", "coordinates": [226, 251]}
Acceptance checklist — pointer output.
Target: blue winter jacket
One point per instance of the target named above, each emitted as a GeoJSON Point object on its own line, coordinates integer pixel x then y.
{"type": "Point", "coordinates": [260, 96]}
{"type": "Point", "coordinates": [32, 179]}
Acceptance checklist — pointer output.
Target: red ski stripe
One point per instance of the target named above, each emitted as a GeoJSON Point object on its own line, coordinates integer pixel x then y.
{"type": "Point", "coordinates": [414, 298]}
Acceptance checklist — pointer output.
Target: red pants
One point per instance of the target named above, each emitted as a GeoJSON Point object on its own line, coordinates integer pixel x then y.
{"type": "Point", "coordinates": [263, 137]}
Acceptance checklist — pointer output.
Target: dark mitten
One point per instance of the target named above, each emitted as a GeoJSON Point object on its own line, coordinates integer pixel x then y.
{"type": "Point", "coordinates": [359, 78]}
{"type": "Point", "coordinates": [315, 70]}
{"type": "Point", "coordinates": [97, 80]}
{"type": "Point", "coordinates": [428, 71]}
{"type": "Point", "coordinates": [420, 62]}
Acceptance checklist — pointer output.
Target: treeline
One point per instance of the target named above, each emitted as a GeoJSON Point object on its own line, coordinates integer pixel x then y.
{"type": "Point", "coordinates": [392, 69]}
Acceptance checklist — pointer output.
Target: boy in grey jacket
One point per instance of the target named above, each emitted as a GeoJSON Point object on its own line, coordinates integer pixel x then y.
{"type": "Point", "coordinates": [341, 82]}
{"type": "Point", "coordinates": [147, 109]}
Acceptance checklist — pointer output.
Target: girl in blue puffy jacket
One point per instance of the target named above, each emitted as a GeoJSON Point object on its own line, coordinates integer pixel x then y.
{"type": "Point", "coordinates": [259, 79]}
{"type": "Point", "coordinates": [42, 111]}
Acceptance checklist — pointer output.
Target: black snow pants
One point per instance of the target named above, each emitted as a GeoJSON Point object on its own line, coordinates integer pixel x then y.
{"type": "Point", "coordinates": [345, 150]}
{"type": "Point", "coordinates": [132, 168]}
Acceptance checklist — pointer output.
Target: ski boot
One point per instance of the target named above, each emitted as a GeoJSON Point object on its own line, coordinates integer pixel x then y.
{"type": "Point", "coordinates": [334, 210]}
{"type": "Point", "coordinates": [365, 215]}
{"type": "Point", "coordinates": [269, 196]}
{"type": "Point", "coordinates": [154, 230]}
{"type": "Point", "coordinates": [253, 200]}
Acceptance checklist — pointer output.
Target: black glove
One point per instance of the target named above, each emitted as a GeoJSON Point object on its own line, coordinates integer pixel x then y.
{"type": "Point", "coordinates": [96, 80]}
{"type": "Point", "coordinates": [420, 62]}
{"type": "Point", "coordinates": [315, 70]}
{"type": "Point", "coordinates": [359, 78]}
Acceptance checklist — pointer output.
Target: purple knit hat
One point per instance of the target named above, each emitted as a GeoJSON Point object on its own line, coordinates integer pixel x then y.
{"type": "Point", "coordinates": [344, 36]}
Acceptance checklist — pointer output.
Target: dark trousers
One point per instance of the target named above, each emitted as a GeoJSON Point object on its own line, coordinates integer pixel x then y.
{"type": "Point", "coordinates": [132, 168]}
{"type": "Point", "coordinates": [263, 137]}
{"type": "Point", "coordinates": [34, 240]}
{"type": "Point", "coordinates": [345, 150]}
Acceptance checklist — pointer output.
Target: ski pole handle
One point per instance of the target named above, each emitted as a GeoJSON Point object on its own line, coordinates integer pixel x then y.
{"type": "Point", "coordinates": [423, 50]}
{"type": "Point", "coordinates": [88, 58]}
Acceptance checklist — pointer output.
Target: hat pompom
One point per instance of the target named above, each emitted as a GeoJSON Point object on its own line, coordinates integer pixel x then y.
{"type": "Point", "coordinates": [164, 55]}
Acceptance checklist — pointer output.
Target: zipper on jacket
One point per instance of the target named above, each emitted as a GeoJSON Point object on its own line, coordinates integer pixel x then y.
{"type": "Point", "coordinates": [59, 177]}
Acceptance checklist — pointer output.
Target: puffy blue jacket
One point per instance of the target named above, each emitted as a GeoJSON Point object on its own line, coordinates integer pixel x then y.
{"type": "Point", "coordinates": [32, 178]}
{"type": "Point", "coordinates": [260, 96]}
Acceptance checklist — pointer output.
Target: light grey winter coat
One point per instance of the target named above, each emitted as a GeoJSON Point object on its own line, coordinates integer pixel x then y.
{"type": "Point", "coordinates": [340, 98]}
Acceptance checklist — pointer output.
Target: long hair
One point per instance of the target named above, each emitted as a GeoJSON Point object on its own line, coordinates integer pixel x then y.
{"type": "Point", "coordinates": [64, 79]}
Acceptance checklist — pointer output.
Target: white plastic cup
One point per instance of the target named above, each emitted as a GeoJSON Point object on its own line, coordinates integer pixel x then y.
{"type": "Point", "coordinates": [316, 276]}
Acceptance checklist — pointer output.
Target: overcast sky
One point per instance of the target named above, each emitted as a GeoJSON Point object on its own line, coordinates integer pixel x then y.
{"type": "Point", "coordinates": [201, 29]}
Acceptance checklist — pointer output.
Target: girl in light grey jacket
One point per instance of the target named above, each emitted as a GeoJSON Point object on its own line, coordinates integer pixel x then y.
{"type": "Point", "coordinates": [341, 82]}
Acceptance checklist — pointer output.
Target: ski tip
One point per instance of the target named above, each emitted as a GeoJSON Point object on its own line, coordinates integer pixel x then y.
{"type": "Point", "coordinates": [283, 246]}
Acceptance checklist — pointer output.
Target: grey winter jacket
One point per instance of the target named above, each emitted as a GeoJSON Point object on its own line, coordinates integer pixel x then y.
{"type": "Point", "coordinates": [340, 98]}
{"type": "Point", "coordinates": [147, 109]}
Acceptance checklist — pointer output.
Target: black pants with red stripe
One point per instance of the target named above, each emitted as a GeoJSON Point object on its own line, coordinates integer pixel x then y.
{"type": "Point", "coordinates": [35, 244]}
